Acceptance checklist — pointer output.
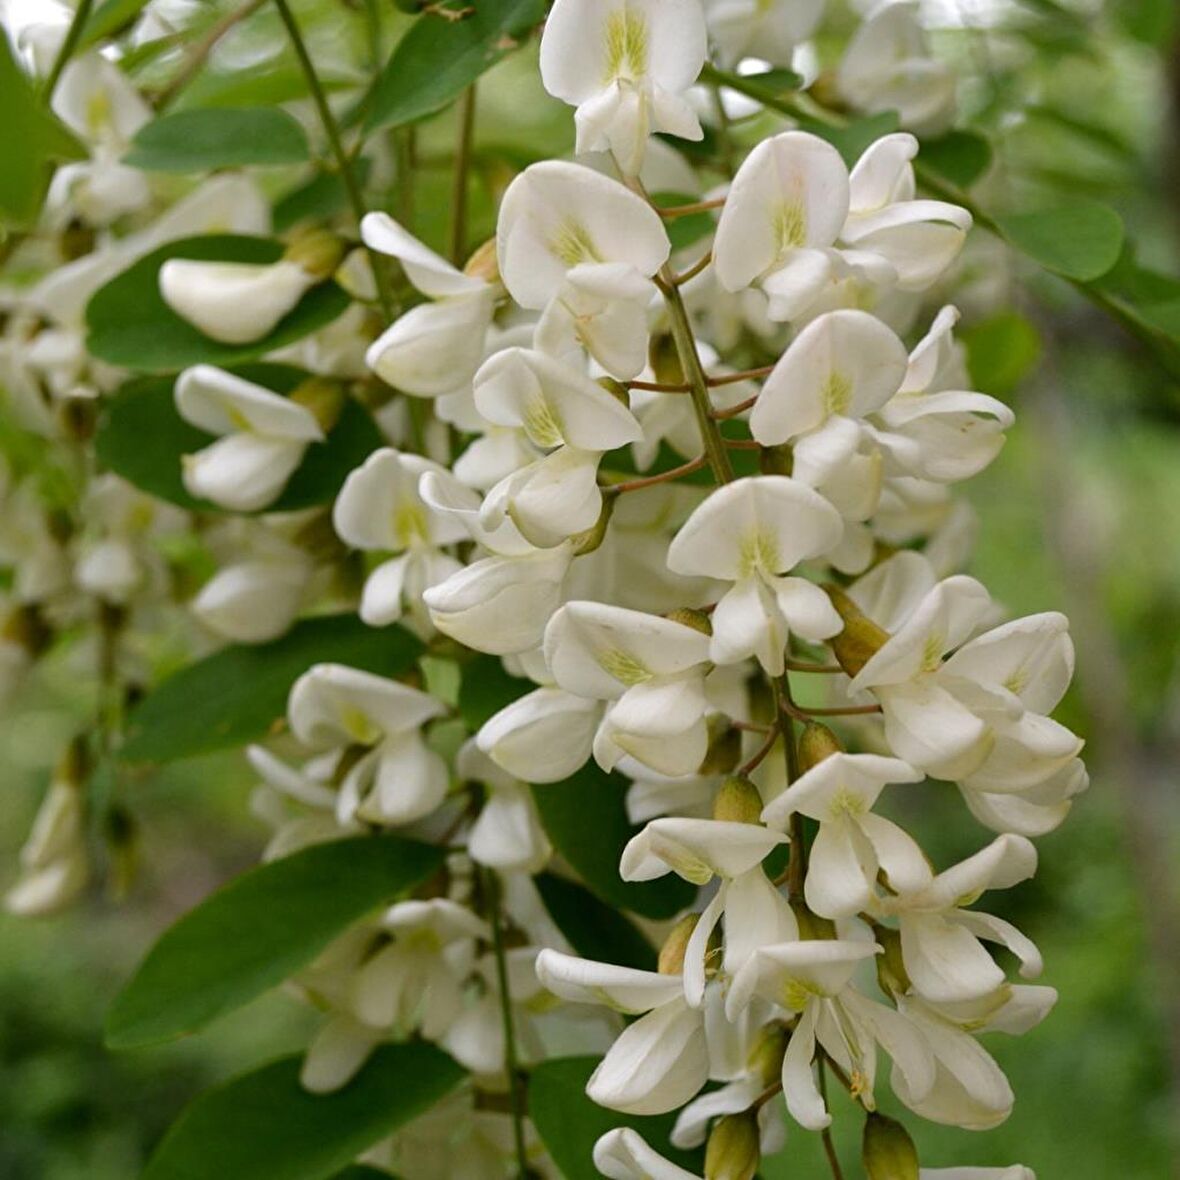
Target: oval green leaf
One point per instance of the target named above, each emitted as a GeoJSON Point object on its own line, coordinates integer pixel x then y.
{"type": "Point", "coordinates": [131, 325]}
{"type": "Point", "coordinates": [485, 688]}
{"type": "Point", "coordinates": [218, 137]}
{"type": "Point", "coordinates": [586, 818]}
{"type": "Point", "coordinates": [442, 55]}
{"type": "Point", "coordinates": [962, 157]}
{"type": "Point", "coordinates": [569, 1123]}
{"type": "Point", "coordinates": [595, 930]}
{"type": "Point", "coordinates": [235, 695]}
{"type": "Point", "coordinates": [144, 408]}
{"type": "Point", "coordinates": [264, 1124]}
{"type": "Point", "coordinates": [1081, 240]}
{"type": "Point", "coordinates": [259, 930]}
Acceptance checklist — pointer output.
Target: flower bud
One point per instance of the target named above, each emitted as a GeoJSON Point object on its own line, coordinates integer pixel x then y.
{"type": "Point", "coordinates": [696, 619]}
{"type": "Point", "coordinates": [892, 976]}
{"type": "Point", "coordinates": [671, 961]}
{"type": "Point", "coordinates": [779, 460]}
{"type": "Point", "coordinates": [738, 801]}
{"type": "Point", "coordinates": [318, 251]}
{"type": "Point", "coordinates": [733, 1151]}
{"type": "Point", "coordinates": [323, 397]}
{"type": "Point", "coordinates": [816, 743]}
{"type": "Point", "coordinates": [887, 1150]}
{"type": "Point", "coordinates": [483, 263]}
{"type": "Point", "coordinates": [78, 417]}
{"type": "Point", "coordinates": [861, 638]}
{"type": "Point", "coordinates": [665, 360]}
{"type": "Point", "coordinates": [592, 538]}
{"type": "Point", "coordinates": [766, 1058]}
{"type": "Point", "coordinates": [725, 747]}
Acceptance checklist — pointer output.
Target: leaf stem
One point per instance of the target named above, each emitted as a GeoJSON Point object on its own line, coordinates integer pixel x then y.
{"type": "Point", "coordinates": [332, 131]}
{"type": "Point", "coordinates": [826, 1133]}
{"type": "Point", "coordinates": [495, 917]}
{"type": "Point", "coordinates": [72, 38]}
{"type": "Point", "coordinates": [649, 481]}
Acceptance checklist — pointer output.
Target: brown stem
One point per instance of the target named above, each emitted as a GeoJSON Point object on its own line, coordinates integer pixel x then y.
{"type": "Point", "coordinates": [196, 57]}
{"type": "Point", "coordinates": [649, 481]}
{"type": "Point", "coordinates": [671, 212]}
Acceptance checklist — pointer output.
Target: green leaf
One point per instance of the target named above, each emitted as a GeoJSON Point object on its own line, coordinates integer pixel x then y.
{"type": "Point", "coordinates": [595, 930]}
{"type": "Point", "coordinates": [777, 81]}
{"type": "Point", "coordinates": [265, 1126]}
{"type": "Point", "coordinates": [1151, 21]}
{"type": "Point", "coordinates": [218, 137]}
{"type": "Point", "coordinates": [442, 55]}
{"type": "Point", "coordinates": [361, 1172]}
{"type": "Point", "coordinates": [110, 17]}
{"type": "Point", "coordinates": [486, 688]}
{"type": "Point", "coordinates": [318, 198]}
{"type": "Point", "coordinates": [586, 818]}
{"type": "Point", "coordinates": [851, 140]}
{"type": "Point", "coordinates": [235, 695]}
{"type": "Point", "coordinates": [34, 139]}
{"type": "Point", "coordinates": [260, 929]}
{"type": "Point", "coordinates": [1081, 240]}
{"type": "Point", "coordinates": [569, 1123]}
{"type": "Point", "coordinates": [1001, 351]}
{"type": "Point", "coordinates": [962, 157]}
{"type": "Point", "coordinates": [144, 408]}
{"type": "Point", "coordinates": [131, 325]}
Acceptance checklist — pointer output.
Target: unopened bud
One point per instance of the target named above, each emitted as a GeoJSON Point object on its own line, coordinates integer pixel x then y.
{"type": "Point", "coordinates": [724, 749]}
{"type": "Point", "coordinates": [812, 928]}
{"type": "Point", "coordinates": [776, 460]}
{"type": "Point", "coordinates": [665, 360]}
{"type": "Point", "coordinates": [318, 251]}
{"type": "Point", "coordinates": [592, 538]}
{"type": "Point", "coordinates": [861, 638]}
{"type": "Point", "coordinates": [816, 743]}
{"type": "Point", "coordinates": [738, 801]}
{"type": "Point", "coordinates": [483, 263]}
{"type": "Point", "coordinates": [766, 1058]}
{"type": "Point", "coordinates": [892, 976]}
{"type": "Point", "coordinates": [78, 417]}
{"type": "Point", "coordinates": [887, 1150]}
{"type": "Point", "coordinates": [671, 961]}
{"type": "Point", "coordinates": [323, 397]}
{"type": "Point", "coordinates": [616, 389]}
{"type": "Point", "coordinates": [696, 619]}
{"type": "Point", "coordinates": [733, 1151]}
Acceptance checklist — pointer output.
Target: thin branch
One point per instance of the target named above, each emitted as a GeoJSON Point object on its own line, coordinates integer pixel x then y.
{"type": "Point", "coordinates": [650, 481]}
{"type": "Point", "coordinates": [511, 1067]}
{"type": "Point", "coordinates": [760, 754]}
{"type": "Point", "coordinates": [194, 60]}
{"type": "Point", "coordinates": [734, 411]}
{"type": "Point", "coordinates": [826, 1133]}
{"type": "Point", "coordinates": [660, 386]}
{"type": "Point", "coordinates": [332, 131]}
{"type": "Point", "coordinates": [671, 212]}
{"type": "Point", "coordinates": [744, 375]}
{"type": "Point", "coordinates": [694, 270]}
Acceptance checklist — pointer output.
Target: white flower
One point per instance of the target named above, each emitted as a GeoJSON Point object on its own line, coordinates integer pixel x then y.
{"type": "Point", "coordinates": [233, 302]}
{"type": "Point", "coordinates": [507, 835]}
{"type": "Point", "coordinates": [785, 210]}
{"type": "Point", "coordinates": [623, 1154]}
{"type": "Point", "coordinates": [263, 438]}
{"type": "Point", "coordinates": [557, 216]}
{"type": "Point", "coordinates": [399, 779]}
{"type": "Point", "coordinates": [650, 670]}
{"type": "Point", "coordinates": [436, 347]}
{"type": "Point", "coordinates": [379, 508]}
{"type": "Point", "coordinates": [918, 239]}
{"type": "Point", "coordinates": [1015, 1172]}
{"type": "Point", "coordinates": [940, 940]}
{"type": "Point", "coordinates": [813, 979]}
{"type": "Point", "coordinates": [769, 30]}
{"type": "Point", "coordinates": [255, 600]}
{"type": "Point", "coordinates": [750, 533]}
{"type": "Point", "coordinates": [54, 864]}
{"type": "Point", "coordinates": [501, 604]}
{"type": "Point", "coordinates": [661, 1060]}
{"type": "Point", "coordinates": [542, 737]}
{"type": "Point", "coordinates": [888, 67]}
{"type": "Point", "coordinates": [626, 65]}
{"type": "Point", "coordinates": [852, 845]}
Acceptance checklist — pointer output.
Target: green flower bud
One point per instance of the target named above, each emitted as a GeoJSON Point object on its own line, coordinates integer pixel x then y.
{"type": "Point", "coordinates": [816, 743]}
{"type": "Point", "coordinates": [778, 460]}
{"type": "Point", "coordinates": [766, 1058]}
{"type": "Point", "coordinates": [665, 360]}
{"type": "Point", "coordinates": [323, 397]}
{"type": "Point", "coordinates": [725, 747]}
{"type": "Point", "coordinates": [689, 617]}
{"type": "Point", "coordinates": [892, 976]}
{"type": "Point", "coordinates": [733, 1151]}
{"type": "Point", "coordinates": [887, 1150]}
{"type": "Point", "coordinates": [318, 251]}
{"type": "Point", "coordinates": [861, 638]}
{"type": "Point", "coordinates": [738, 801]}
{"type": "Point", "coordinates": [675, 946]}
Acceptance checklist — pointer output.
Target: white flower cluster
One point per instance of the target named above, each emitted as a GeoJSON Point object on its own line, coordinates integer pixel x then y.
{"type": "Point", "coordinates": [700, 567]}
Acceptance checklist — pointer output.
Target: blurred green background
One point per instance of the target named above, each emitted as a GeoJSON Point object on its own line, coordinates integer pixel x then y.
{"type": "Point", "coordinates": [1080, 512]}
